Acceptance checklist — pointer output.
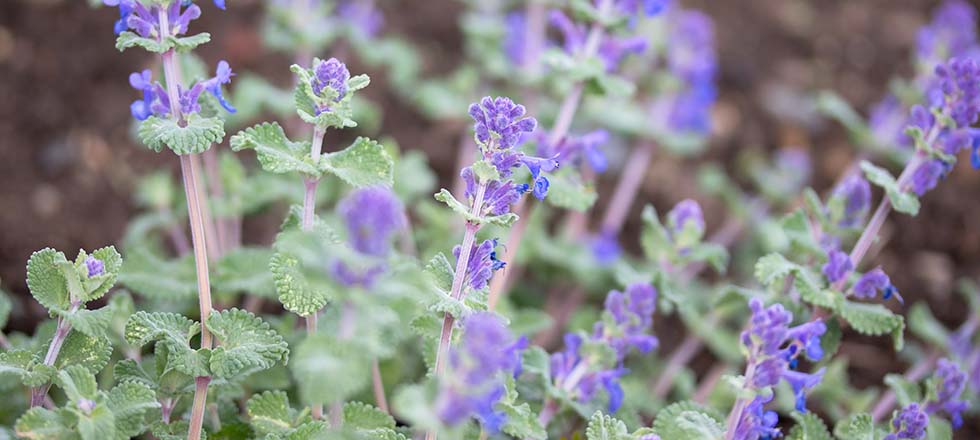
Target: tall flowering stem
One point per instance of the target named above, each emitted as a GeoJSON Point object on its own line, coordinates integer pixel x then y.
{"type": "Point", "coordinates": [563, 123]}
{"type": "Point", "coordinates": [309, 214]}
{"type": "Point", "coordinates": [189, 171]}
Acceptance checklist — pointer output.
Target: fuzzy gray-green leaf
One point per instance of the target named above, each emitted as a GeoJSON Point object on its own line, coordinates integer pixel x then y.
{"type": "Point", "coordinates": [276, 153]}
{"type": "Point", "coordinates": [363, 163]}
{"type": "Point", "coordinates": [196, 136]}
{"type": "Point", "coordinates": [245, 341]}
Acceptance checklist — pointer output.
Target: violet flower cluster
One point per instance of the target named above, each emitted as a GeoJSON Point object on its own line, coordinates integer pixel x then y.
{"type": "Point", "coordinates": [500, 126]}
{"type": "Point", "coordinates": [625, 326]}
{"type": "Point", "coordinates": [329, 82]}
{"type": "Point", "coordinates": [774, 352]}
{"type": "Point", "coordinates": [952, 33]}
{"type": "Point", "coordinates": [691, 58]}
{"type": "Point", "coordinates": [156, 102]}
{"type": "Point", "coordinates": [372, 217]}
{"type": "Point", "coordinates": [133, 14]}
{"type": "Point", "coordinates": [476, 379]}
{"type": "Point", "coordinates": [909, 424]}
{"type": "Point", "coordinates": [950, 381]}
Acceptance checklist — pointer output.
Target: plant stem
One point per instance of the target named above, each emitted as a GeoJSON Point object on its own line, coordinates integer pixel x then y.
{"type": "Point", "coordinates": [379, 387]}
{"type": "Point", "coordinates": [683, 354]}
{"type": "Point", "coordinates": [193, 192]}
{"type": "Point", "coordinates": [215, 187]}
{"type": "Point", "coordinates": [457, 290]}
{"type": "Point", "coordinates": [627, 188]}
{"type": "Point", "coordinates": [708, 383]}
{"type": "Point", "coordinates": [735, 415]}
{"type": "Point", "coordinates": [309, 215]}
{"type": "Point", "coordinates": [563, 123]}
{"type": "Point", "coordinates": [39, 394]}
{"type": "Point", "coordinates": [914, 374]}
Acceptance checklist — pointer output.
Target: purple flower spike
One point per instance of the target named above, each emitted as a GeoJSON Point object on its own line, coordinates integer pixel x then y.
{"type": "Point", "coordinates": [645, 7]}
{"type": "Point", "coordinates": [686, 214]}
{"type": "Point", "coordinates": [951, 33]}
{"type": "Point", "coordinates": [909, 424]}
{"type": "Point", "coordinates": [888, 121]}
{"type": "Point", "coordinates": [951, 381]}
{"type": "Point", "coordinates": [330, 74]}
{"type": "Point", "coordinates": [871, 283]}
{"type": "Point", "coordinates": [515, 40]}
{"type": "Point", "coordinates": [690, 50]}
{"type": "Point", "coordinates": [95, 266]}
{"type": "Point", "coordinates": [502, 119]}
{"type": "Point", "coordinates": [372, 217]}
{"type": "Point", "coordinates": [220, 4]}
{"type": "Point", "coordinates": [801, 383]}
{"type": "Point", "coordinates": [856, 193]}
{"type": "Point", "coordinates": [838, 265]}
{"type": "Point", "coordinates": [926, 176]}
{"type": "Point", "coordinates": [482, 264]}
{"type": "Point", "coordinates": [756, 422]}
{"type": "Point", "coordinates": [959, 80]}
{"type": "Point", "coordinates": [475, 381]}
{"type": "Point", "coordinates": [363, 16]}
{"type": "Point", "coordinates": [605, 248]}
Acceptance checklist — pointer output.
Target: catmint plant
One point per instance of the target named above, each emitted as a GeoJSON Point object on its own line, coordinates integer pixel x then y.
{"type": "Point", "coordinates": [384, 295]}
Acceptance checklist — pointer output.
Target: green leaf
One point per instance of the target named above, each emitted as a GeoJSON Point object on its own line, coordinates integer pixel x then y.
{"type": "Point", "coordinates": [809, 427]}
{"type": "Point", "coordinates": [363, 163]}
{"type": "Point", "coordinates": [128, 39]}
{"type": "Point", "coordinates": [175, 332]}
{"type": "Point", "coordinates": [5, 307]}
{"type": "Point", "coordinates": [520, 421]}
{"type": "Point", "coordinates": [245, 269]}
{"type": "Point", "coordinates": [874, 319]}
{"type": "Point", "coordinates": [196, 136]}
{"type": "Point", "coordinates": [903, 201]}
{"type": "Point", "coordinates": [905, 390]}
{"type": "Point", "coordinates": [130, 404]}
{"type": "Point", "coordinates": [295, 293]}
{"type": "Point", "coordinates": [46, 280]}
{"type": "Point", "coordinates": [856, 427]}
{"type": "Point", "coordinates": [276, 153]}
{"type": "Point", "coordinates": [687, 420]}
{"type": "Point", "coordinates": [654, 237]}
{"type": "Point", "coordinates": [463, 211]}
{"type": "Point", "coordinates": [245, 342]}
{"type": "Point", "coordinates": [603, 427]}
{"type": "Point", "coordinates": [142, 271]}
{"type": "Point", "coordinates": [81, 349]}
{"type": "Point", "coordinates": [329, 369]}
{"type": "Point", "coordinates": [362, 416]}
{"type": "Point", "coordinates": [186, 44]}
{"type": "Point", "coordinates": [145, 327]}
{"type": "Point", "coordinates": [93, 323]}
{"type": "Point", "coordinates": [924, 325]}
{"type": "Point", "coordinates": [939, 429]}
{"type": "Point", "coordinates": [26, 367]}
{"type": "Point", "coordinates": [773, 267]}
{"type": "Point", "coordinates": [44, 424]}
{"type": "Point", "coordinates": [485, 171]}
{"type": "Point", "coordinates": [78, 383]}
{"type": "Point", "coordinates": [569, 191]}
{"type": "Point", "coordinates": [270, 413]}
{"type": "Point", "coordinates": [440, 271]}
{"type": "Point", "coordinates": [832, 105]}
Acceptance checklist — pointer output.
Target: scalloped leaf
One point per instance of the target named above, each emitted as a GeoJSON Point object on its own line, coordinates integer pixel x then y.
{"type": "Point", "coordinates": [26, 366]}
{"type": "Point", "coordinates": [81, 349]}
{"type": "Point", "coordinates": [245, 270]}
{"type": "Point", "coordinates": [604, 427]}
{"type": "Point", "coordinates": [196, 136]}
{"type": "Point", "coordinates": [329, 369]}
{"type": "Point", "coordinates": [141, 273]}
{"type": "Point", "coordinates": [276, 153]}
{"type": "Point", "coordinates": [186, 44]}
{"type": "Point", "coordinates": [144, 327]}
{"type": "Point", "coordinates": [128, 39]}
{"type": "Point", "coordinates": [363, 416]}
{"type": "Point", "coordinates": [41, 423]}
{"type": "Point", "coordinates": [679, 421]}
{"type": "Point", "coordinates": [295, 292]}
{"type": "Point", "coordinates": [93, 323]}
{"type": "Point", "coordinates": [875, 320]}
{"type": "Point", "coordinates": [903, 201]}
{"type": "Point", "coordinates": [270, 413]}
{"type": "Point", "coordinates": [245, 342]}
{"type": "Point", "coordinates": [856, 427]}
{"type": "Point", "coordinates": [809, 427]}
{"type": "Point", "coordinates": [364, 163]}
{"type": "Point", "coordinates": [46, 281]}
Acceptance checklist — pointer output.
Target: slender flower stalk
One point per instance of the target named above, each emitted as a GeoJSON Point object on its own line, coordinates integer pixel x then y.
{"type": "Point", "coordinates": [559, 130]}
{"type": "Point", "coordinates": [40, 394]}
{"type": "Point", "coordinates": [188, 167]}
